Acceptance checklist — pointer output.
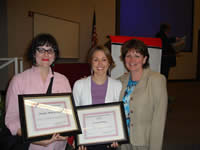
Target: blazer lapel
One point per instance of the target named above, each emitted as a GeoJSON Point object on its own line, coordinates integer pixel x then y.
{"type": "Point", "coordinates": [139, 87]}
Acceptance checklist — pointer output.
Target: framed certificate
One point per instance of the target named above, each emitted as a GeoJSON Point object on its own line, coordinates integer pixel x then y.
{"type": "Point", "coordinates": [102, 124]}
{"type": "Point", "coordinates": [42, 115]}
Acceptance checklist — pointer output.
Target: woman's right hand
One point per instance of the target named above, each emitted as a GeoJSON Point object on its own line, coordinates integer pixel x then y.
{"type": "Point", "coordinates": [55, 137]}
{"type": "Point", "coordinates": [19, 132]}
{"type": "Point", "coordinates": [82, 148]}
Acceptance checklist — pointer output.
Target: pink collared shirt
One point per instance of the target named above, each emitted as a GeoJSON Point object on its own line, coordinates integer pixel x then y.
{"type": "Point", "coordinates": [30, 82]}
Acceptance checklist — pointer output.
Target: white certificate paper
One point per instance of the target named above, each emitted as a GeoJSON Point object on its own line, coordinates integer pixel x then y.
{"type": "Point", "coordinates": [48, 115]}
{"type": "Point", "coordinates": [102, 124]}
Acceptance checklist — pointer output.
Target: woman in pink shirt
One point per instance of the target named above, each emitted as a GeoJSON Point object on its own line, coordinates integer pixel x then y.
{"type": "Point", "coordinates": [43, 51]}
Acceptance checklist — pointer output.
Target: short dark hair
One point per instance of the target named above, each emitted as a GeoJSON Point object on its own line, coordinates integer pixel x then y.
{"type": "Point", "coordinates": [139, 46]}
{"type": "Point", "coordinates": [41, 40]}
{"type": "Point", "coordinates": [164, 27]}
{"type": "Point", "coordinates": [103, 49]}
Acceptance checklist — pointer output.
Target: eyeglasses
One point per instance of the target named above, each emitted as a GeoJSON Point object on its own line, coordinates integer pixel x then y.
{"type": "Point", "coordinates": [49, 51]}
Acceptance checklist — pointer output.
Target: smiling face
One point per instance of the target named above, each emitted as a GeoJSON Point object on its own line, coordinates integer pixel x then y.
{"type": "Point", "coordinates": [100, 63]}
{"type": "Point", "coordinates": [134, 61]}
{"type": "Point", "coordinates": [44, 59]}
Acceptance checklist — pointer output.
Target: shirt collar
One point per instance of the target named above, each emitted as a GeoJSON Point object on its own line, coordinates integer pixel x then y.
{"type": "Point", "coordinates": [131, 82]}
{"type": "Point", "coordinates": [36, 69]}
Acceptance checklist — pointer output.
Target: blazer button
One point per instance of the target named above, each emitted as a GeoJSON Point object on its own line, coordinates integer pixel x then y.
{"type": "Point", "coordinates": [132, 124]}
{"type": "Point", "coordinates": [131, 111]}
{"type": "Point", "coordinates": [131, 98]}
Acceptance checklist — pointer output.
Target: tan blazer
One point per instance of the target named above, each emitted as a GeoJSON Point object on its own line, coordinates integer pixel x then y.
{"type": "Point", "coordinates": [148, 107]}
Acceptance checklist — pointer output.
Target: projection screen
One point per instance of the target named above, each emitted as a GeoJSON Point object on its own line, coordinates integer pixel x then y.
{"type": "Point", "coordinates": [66, 33]}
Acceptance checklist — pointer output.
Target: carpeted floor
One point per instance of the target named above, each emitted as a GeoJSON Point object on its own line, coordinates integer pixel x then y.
{"type": "Point", "coordinates": [183, 121]}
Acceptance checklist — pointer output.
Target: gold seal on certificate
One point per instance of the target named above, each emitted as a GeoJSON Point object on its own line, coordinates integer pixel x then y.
{"type": "Point", "coordinates": [102, 124]}
{"type": "Point", "coordinates": [42, 115]}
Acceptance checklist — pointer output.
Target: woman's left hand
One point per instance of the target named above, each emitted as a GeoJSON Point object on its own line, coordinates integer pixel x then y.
{"type": "Point", "coordinates": [55, 137]}
{"type": "Point", "coordinates": [113, 145]}
{"type": "Point", "coordinates": [61, 138]}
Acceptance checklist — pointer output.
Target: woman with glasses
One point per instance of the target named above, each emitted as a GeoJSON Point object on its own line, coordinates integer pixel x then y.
{"type": "Point", "coordinates": [43, 52]}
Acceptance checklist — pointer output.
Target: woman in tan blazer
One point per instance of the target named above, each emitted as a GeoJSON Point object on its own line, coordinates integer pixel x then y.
{"type": "Point", "coordinates": [144, 94]}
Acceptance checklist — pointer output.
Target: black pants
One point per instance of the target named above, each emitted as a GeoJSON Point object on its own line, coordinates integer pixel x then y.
{"type": "Point", "coordinates": [99, 147]}
{"type": "Point", "coordinates": [167, 62]}
{"type": "Point", "coordinates": [165, 69]}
